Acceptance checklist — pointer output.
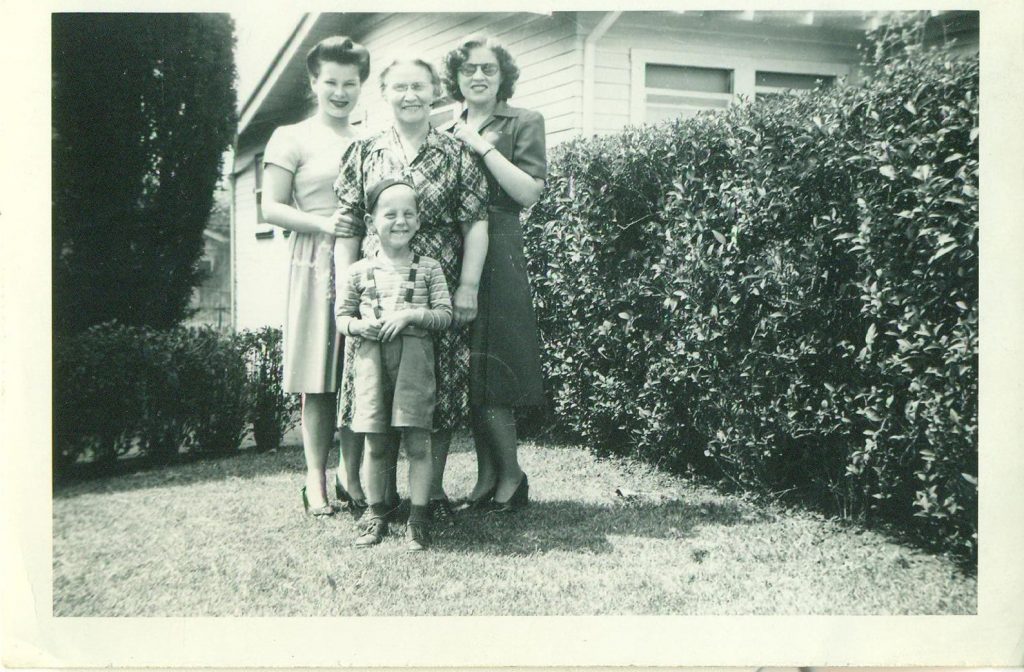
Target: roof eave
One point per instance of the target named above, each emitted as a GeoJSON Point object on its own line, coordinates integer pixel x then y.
{"type": "Point", "coordinates": [273, 73]}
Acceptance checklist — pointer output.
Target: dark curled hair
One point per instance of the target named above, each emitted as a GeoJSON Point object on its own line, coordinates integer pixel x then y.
{"type": "Point", "coordinates": [341, 50]}
{"type": "Point", "coordinates": [455, 58]}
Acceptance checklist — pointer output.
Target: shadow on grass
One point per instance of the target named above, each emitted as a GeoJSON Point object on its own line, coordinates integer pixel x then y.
{"type": "Point", "coordinates": [246, 464]}
{"type": "Point", "coordinates": [580, 526]}
{"type": "Point", "coordinates": [136, 473]}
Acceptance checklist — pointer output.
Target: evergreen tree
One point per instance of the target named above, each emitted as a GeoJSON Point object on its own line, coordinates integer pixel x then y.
{"type": "Point", "coordinates": [143, 109]}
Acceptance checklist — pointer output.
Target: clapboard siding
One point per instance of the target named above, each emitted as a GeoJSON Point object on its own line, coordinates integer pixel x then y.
{"type": "Point", "coordinates": [561, 126]}
{"type": "Point", "coordinates": [544, 47]}
{"type": "Point", "coordinates": [261, 266]}
{"type": "Point", "coordinates": [570, 130]}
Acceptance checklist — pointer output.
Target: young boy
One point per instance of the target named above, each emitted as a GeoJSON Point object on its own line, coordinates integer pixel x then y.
{"type": "Point", "coordinates": [392, 302]}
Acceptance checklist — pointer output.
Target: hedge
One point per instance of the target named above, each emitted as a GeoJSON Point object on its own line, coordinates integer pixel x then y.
{"type": "Point", "coordinates": [122, 390]}
{"type": "Point", "coordinates": [782, 295]}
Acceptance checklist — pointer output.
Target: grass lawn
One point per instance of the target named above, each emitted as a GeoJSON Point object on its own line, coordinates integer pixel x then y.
{"type": "Point", "coordinates": [227, 537]}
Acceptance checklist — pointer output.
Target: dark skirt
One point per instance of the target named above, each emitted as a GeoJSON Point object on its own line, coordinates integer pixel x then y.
{"type": "Point", "coordinates": [504, 364]}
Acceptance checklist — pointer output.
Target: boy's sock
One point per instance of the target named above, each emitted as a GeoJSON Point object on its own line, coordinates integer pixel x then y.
{"type": "Point", "coordinates": [419, 514]}
{"type": "Point", "coordinates": [379, 510]}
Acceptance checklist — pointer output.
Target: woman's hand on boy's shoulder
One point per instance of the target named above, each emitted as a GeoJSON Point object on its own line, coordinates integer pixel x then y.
{"type": "Point", "coordinates": [342, 224]}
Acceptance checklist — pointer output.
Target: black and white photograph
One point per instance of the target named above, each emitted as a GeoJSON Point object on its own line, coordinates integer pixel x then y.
{"type": "Point", "coordinates": [398, 326]}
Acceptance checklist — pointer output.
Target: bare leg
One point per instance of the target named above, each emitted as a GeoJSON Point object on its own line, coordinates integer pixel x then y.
{"type": "Point", "coordinates": [378, 454]}
{"type": "Point", "coordinates": [350, 461]}
{"type": "Point", "coordinates": [391, 474]}
{"type": "Point", "coordinates": [499, 424]}
{"type": "Point", "coordinates": [417, 450]}
{"type": "Point", "coordinates": [317, 437]}
{"type": "Point", "coordinates": [440, 441]}
{"type": "Point", "coordinates": [486, 469]}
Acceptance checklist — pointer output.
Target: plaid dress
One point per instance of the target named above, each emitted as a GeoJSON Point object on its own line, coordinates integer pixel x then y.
{"type": "Point", "coordinates": [451, 190]}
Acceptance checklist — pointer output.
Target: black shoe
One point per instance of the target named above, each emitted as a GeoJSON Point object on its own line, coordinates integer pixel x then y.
{"type": "Point", "coordinates": [355, 507]}
{"type": "Point", "coordinates": [470, 504]}
{"type": "Point", "coordinates": [325, 510]}
{"type": "Point", "coordinates": [519, 499]}
{"type": "Point", "coordinates": [373, 533]}
{"type": "Point", "coordinates": [417, 536]}
{"type": "Point", "coordinates": [442, 513]}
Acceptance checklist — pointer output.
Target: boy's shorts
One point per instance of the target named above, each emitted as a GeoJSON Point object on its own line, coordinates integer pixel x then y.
{"type": "Point", "coordinates": [394, 384]}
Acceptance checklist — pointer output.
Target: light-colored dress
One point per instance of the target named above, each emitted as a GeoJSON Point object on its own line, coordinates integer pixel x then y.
{"type": "Point", "coordinates": [312, 345]}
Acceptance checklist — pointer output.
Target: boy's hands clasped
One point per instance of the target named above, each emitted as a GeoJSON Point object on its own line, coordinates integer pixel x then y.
{"type": "Point", "coordinates": [383, 329]}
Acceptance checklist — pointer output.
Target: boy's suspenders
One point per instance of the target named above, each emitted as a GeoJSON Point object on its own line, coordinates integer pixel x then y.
{"type": "Point", "coordinates": [410, 283]}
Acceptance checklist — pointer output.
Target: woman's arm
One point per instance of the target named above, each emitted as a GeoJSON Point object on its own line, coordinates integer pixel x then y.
{"type": "Point", "coordinates": [524, 188]}
{"type": "Point", "coordinates": [348, 188]}
{"type": "Point", "coordinates": [346, 253]}
{"type": "Point", "coordinates": [474, 251]}
{"type": "Point", "coordinates": [278, 210]}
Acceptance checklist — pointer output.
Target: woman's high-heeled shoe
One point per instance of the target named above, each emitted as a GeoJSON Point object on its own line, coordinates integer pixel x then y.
{"type": "Point", "coordinates": [519, 499]}
{"type": "Point", "coordinates": [355, 507]}
{"type": "Point", "coordinates": [325, 510]}
{"type": "Point", "coordinates": [470, 504]}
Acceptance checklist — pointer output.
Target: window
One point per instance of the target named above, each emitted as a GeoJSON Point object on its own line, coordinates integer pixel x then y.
{"type": "Point", "coordinates": [767, 83]}
{"type": "Point", "coordinates": [258, 189]}
{"type": "Point", "coordinates": [683, 90]}
{"type": "Point", "coordinates": [667, 84]}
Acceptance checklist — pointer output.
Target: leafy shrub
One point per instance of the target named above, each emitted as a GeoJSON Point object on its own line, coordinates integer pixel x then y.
{"type": "Point", "coordinates": [273, 411]}
{"type": "Point", "coordinates": [95, 404]}
{"type": "Point", "coordinates": [121, 389]}
{"type": "Point", "coordinates": [220, 391]}
{"type": "Point", "coordinates": [783, 294]}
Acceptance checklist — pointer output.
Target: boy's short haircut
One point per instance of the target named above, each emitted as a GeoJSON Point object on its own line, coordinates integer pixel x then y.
{"type": "Point", "coordinates": [376, 189]}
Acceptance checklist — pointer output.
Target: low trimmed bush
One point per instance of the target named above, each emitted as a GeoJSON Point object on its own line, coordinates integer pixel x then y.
{"type": "Point", "coordinates": [273, 411]}
{"type": "Point", "coordinates": [782, 294]}
{"type": "Point", "coordinates": [122, 390]}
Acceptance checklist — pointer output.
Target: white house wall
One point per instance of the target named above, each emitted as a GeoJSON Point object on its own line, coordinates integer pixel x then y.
{"type": "Point", "coordinates": [728, 40]}
{"type": "Point", "coordinates": [261, 266]}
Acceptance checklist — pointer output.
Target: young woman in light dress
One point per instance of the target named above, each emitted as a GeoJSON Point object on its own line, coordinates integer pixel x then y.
{"type": "Point", "coordinates": [300, 167]}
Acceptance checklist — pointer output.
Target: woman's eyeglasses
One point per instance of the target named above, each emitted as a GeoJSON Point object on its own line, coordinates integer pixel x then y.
{"type": "Point", "coordinates": [469, 69]}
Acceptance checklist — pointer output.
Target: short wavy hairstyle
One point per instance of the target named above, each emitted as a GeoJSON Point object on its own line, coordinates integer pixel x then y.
{"type": "Point", "coordinates": [435, 80]}
{"type": "Point", "coordinates": [455, 58]}
{"type": "Point", "coordinates": [338, 49]}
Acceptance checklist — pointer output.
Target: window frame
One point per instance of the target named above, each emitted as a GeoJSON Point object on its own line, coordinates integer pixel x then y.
{"type": "Point", "coordinates": [744, 71]}
{"type": "Point", "coordinates": [257, 188]}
